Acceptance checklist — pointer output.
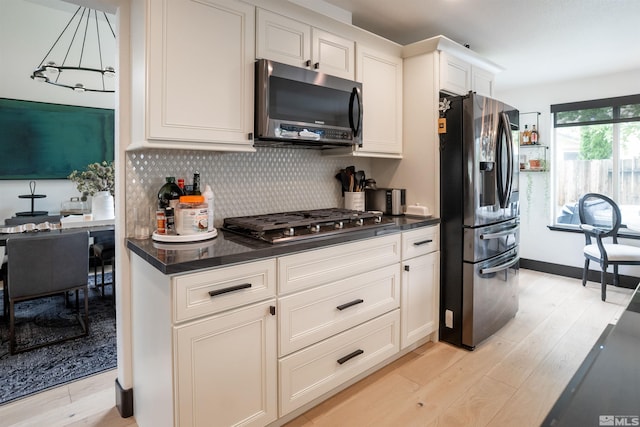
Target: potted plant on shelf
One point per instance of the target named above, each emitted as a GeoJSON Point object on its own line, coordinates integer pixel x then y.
{"type": "Point", "coordinates": [98, 181]}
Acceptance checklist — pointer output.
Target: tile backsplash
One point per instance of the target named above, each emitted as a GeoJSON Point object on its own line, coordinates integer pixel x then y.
{"type": "Point", "coordinates": [269, 180]}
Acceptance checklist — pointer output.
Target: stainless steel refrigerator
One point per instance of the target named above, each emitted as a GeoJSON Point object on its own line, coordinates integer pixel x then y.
{"type": "Point", "coordinates": [479, 208]}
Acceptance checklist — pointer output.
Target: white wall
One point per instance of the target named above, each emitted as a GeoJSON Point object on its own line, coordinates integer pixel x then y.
{"type": "Point", "coordinates": [28, 28]}
{"type": "Point", "coordinates": [537, 241]}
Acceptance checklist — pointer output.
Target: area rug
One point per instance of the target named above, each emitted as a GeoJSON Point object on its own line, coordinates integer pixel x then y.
{"type": "Point", "coordinates": [36, 370]}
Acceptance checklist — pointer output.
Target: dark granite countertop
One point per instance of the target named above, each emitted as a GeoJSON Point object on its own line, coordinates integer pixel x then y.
{"type": "Point", "coordinates": [605, 391]}
{"type": "Point", "coordinates": [229, 248]}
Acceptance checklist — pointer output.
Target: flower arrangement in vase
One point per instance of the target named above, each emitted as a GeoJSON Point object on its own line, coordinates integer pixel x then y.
{"type": "Point", "coordinates": [98, 181]}
{"type": "Point", "coordinates": [98, 176]}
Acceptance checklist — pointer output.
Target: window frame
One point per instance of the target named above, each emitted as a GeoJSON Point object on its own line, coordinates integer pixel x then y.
{"type": "Point", "coordinates": [615, 103]}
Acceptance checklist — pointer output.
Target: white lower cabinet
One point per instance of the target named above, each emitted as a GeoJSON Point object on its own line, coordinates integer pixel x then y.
{"type": "Point", "coordinates": [224, 347]}
{"type": "Point", "coordinates": [226, 369]}
{"type": "Point", "coordinates": [318, 369]}
{"type": "Point", "coordinates": [420, 285]}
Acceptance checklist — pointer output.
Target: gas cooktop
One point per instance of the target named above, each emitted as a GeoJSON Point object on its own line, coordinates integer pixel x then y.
{"type": "Point", "coordinates": [292, 226]}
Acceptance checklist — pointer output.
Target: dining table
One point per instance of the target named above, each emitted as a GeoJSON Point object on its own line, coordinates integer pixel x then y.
{"type": "Point", "coordinates": [94, 231]}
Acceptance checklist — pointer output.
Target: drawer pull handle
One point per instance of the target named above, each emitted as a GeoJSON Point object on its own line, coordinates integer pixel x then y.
{"type": "Point", "coordinates": [229, 289]}
{"type": "Point", "coordinates": [349, 356]}
{"type": "Point", "coordinates": [350, 304]}
{"type": "Point", "coordinates": [422, 242]}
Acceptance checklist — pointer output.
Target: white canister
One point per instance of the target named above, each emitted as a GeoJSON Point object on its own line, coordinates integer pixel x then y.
{"type": "Point", "coordinates": [354, 200]}
{"type": "Point", "coordinates": [102, 206]}
{"type": "Point", "coordinates": [191, 215]}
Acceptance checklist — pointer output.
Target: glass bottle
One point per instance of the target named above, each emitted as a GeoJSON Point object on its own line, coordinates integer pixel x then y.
{"type": "Point", "coordinates": [526, 136]}
{"type": "Point", "coordinates": [169, 194]}
{"type": "Point", "coordinates": [196, 184]}
{"type": "Point", "coordinates": [534, 136]}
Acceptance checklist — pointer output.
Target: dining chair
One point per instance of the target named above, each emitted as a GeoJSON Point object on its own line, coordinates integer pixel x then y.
{"type": "Point", "coordinates": [3, 277]}
{"type": "Point", "coordinates": [104, 251]}
{"type": "Point", "coordinates": [46, 264]}
{"type": "Point", "coordinates": [600, 219]}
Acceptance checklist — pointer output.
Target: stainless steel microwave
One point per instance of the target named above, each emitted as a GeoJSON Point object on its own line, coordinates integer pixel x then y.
{"type": "Point", "coordinates": [304, 108]}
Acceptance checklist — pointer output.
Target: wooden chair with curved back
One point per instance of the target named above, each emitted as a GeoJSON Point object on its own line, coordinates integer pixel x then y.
{"type": "Point", "coordinates": [600, 219]}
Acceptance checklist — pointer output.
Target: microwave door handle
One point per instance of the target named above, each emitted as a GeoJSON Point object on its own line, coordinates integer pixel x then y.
{"type": "Point", "coordinates": [355, 94]}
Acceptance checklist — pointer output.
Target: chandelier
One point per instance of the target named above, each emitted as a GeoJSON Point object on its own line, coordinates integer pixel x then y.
{"type": "Point", "coordinates": [79, 51]}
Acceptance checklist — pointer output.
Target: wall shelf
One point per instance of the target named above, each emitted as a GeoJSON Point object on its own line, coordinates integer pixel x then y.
{"type": "Point", "coordinates": [533, 152]}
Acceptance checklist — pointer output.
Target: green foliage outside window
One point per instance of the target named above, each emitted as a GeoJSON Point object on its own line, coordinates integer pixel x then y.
{"type": "Point", "coordinates": [596, 142]}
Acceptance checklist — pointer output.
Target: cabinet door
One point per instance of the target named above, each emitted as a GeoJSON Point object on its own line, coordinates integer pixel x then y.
{"type": "Point", "coordinates": [481, 81]}
{"type": "Point", "coordinates": [282, 39]}
{"type": "Point", "coordinates": [420, 298]}
{"type": "Point", "coordinates": [333, 54]}
{"type": "Point", "coordinates": [455, 74]}
{"type": "Point", "coordinates": [226, 369]}
{"type": "Point", "coordinates": [381, 77]}
{"type": "Point", "coordinates": [200, 71]}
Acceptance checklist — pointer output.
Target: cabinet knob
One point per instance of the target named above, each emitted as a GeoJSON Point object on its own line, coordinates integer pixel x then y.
{"type": "Point", "coordinates": [272, 310]}
{"type": "Point", "coordinates": [406, 268]}
{"type": "Point", "coordinates": [307, 63]}
{"type": "Point", "coordinates": [316, 65]}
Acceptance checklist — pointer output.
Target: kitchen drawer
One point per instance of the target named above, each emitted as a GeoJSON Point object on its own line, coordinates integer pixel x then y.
{"type": "Point", "coordinates": [231, 287]}
{"type": "Point", "coordinates": [316, 370]}
{"type": "Point", "coordinates": [315, 314]}
{"type": "Point", "coordinates": [420, 241]}
{"type": "Point", "coordinates": [317, 267]}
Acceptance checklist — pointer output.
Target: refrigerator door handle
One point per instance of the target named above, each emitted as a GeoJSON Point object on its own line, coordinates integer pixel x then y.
{"type": "Point", "coordinates": [500, 267]}
{"type": "Point", "coordinates": [502, 233]}
{"type": "Point", "coordinates": [504, 192]}
{"type": "Point", "coordinates": [507, 133]}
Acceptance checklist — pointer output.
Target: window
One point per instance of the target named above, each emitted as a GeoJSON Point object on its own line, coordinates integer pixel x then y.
{"type": "Point", "coordinates": [597, 150]}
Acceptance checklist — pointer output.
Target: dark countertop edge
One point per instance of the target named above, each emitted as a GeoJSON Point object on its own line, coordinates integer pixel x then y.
{"type": "Point", "coordinates": [557, 415]}
{"type": "Point", "coordinates": [264, 250]}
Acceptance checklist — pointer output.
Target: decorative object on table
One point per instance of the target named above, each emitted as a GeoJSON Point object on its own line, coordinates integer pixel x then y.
{"type": "Point", "coordinates": [95, 76]}
{"type": "Point", "coordinates": [32, 196]}
{"type": "Point", "coordinates": [74, 206]}
{"type": "Point", "coordinates": [98, 180]}
{"type": "Point", "coordinates": [27, 227]}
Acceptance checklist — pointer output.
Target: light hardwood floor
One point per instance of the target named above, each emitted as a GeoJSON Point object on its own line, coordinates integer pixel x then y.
{"type": "Point", "coordinates": [511, 379]}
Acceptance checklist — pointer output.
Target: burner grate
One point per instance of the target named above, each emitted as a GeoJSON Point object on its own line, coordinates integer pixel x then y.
{"type": "Point", "coordinates": [278, 221]}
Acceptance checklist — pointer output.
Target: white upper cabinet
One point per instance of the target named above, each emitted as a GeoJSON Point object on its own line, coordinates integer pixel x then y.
{"type": "Point", "coordinates": [481, 81]}
{"type": "Point", "coordinates": [381, 78]}
{"type": "Point", "coordinates": [455, 74]}
{"type": "Point", "coordinates": [295, 43]}
{"type": "Point", "coordinates": [458, 76]}
{"type": "Point", "coordinates": [282, 39]}
{"type": "Point", "coordinates": [199, 75]}
{"type": "Point", "coordinates": [333, 54]}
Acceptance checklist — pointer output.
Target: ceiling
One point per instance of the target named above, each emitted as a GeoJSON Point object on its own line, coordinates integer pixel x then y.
{"type": "Point", "coordinates": [536, 41]}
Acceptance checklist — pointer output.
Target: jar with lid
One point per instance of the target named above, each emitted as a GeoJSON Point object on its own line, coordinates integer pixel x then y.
{"type": "Point", "coordinates": [191, 215]}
